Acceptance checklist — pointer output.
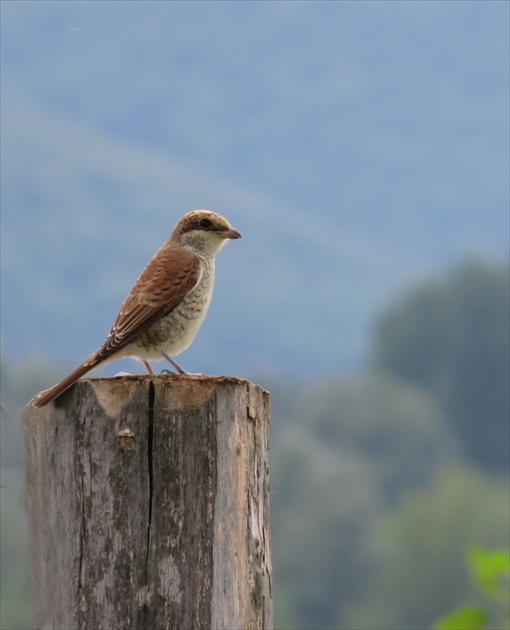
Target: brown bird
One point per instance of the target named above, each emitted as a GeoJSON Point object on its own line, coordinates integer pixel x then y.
{"type": "Point", "coordinates": [167, 304]}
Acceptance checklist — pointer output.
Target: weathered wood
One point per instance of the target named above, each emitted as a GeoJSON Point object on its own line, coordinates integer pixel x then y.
{"type": "Point", "coordinates": [147, 500]}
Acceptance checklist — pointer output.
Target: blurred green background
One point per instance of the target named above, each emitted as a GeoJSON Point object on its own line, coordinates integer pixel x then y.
{"type": "Point", "coordinates": [362, 150]}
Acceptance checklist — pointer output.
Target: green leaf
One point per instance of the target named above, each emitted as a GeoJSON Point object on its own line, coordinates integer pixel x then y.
{"type": "Point", "coordinates": [465, 618]}
{"type": "Point", "coordinates": [490, 568]}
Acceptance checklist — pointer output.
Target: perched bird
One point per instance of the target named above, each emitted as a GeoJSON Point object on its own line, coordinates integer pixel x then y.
{"type": "Point", "coordinates": [167, 304]}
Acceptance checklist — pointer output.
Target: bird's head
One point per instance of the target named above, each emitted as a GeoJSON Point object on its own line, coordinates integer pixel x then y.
{"type": "Point", "coordinates": [203, 231]}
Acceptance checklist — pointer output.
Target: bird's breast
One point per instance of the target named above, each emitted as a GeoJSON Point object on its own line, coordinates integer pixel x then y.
{"type": "Point", "coordinates": [177, 330]}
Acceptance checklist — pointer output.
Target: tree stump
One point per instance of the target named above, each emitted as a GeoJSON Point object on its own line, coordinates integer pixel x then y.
{"type": "Point", "coordinates": [148, 504]}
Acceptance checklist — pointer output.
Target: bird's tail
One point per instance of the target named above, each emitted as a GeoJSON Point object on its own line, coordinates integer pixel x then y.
{"type": "Point", "coordinates": [48, 395]}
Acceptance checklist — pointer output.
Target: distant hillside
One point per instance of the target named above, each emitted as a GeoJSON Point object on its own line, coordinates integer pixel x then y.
{"type": "Point", "coordinates": [356, 146]}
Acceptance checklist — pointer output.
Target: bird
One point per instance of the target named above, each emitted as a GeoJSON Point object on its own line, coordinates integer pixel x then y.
{"type": "Point", "coordinates": [164, 310]}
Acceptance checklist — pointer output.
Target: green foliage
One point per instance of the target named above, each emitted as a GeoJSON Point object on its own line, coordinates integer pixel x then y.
{"type": "Point", "coordinates": [452, 337]}
{"type": "Point", "coordinates": [491, 570]}
{"type": "Point", "coordinates": [422, 543]}
{"type": "Point", "coordinates": [466, 618]}
{"type": "Point", "coordinates": [491, 573]}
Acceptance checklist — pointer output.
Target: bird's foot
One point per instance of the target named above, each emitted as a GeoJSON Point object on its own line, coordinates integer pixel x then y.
{"type": "Point", "coordinates": [174, 363]}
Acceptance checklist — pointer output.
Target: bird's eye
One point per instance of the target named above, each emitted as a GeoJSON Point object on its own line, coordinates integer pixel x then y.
{"type": "Point", "coordinates": [205, 223]}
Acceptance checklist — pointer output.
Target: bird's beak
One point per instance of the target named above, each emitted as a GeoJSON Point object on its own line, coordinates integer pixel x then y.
{"type": "Point", "coordinates": [229, 233]}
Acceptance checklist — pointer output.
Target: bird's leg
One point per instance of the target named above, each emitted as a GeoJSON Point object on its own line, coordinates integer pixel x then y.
{"type": "Point", "coordinates": [176, 365]}
{"type": "Point", "coordinates": [149, 369]}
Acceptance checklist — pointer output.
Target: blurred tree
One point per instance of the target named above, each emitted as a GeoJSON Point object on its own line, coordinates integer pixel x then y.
{"type": "Point", "coordinates": [422, 543]}
{"type": "Point", "coordinates": [397, 429]}
{"type": "Point", "coordinates": [18, 383]}
{"type": "Point", "coordinates": [15, 587]}
{"type": "Point", "coordinates": [343, 451]}
{"type": "Point", "coordinates": [452, 337]}
{"type": "Point", "coordinates": [321, 510]}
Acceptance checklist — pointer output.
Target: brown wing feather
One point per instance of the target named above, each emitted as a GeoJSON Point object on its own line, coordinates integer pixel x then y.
{"type": "Point", "coordinates": [163, 284]}
{"type": "Point", "coordinates": [166, 280]}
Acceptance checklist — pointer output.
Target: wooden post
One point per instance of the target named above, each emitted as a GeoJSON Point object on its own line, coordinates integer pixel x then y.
{"type": "Point", "coordinates": [147, 500]}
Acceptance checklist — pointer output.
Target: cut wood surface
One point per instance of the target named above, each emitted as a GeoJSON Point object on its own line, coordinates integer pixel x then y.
{"type": "Point", "coordinates": [148, 504]}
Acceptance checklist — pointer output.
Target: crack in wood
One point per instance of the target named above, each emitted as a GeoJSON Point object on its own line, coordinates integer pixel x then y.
{"type": "Point", "coordinates": [150, 464]}
{"type": "Point", "coordinates": [143, 593]}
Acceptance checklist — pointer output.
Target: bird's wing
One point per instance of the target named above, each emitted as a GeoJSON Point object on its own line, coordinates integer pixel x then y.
{"type": "Point", "coordinates": [166, 280]}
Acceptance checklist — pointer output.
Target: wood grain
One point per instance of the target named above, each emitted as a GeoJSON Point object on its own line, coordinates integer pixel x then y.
{"type": "Point", "coordinates": [148, 504]}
